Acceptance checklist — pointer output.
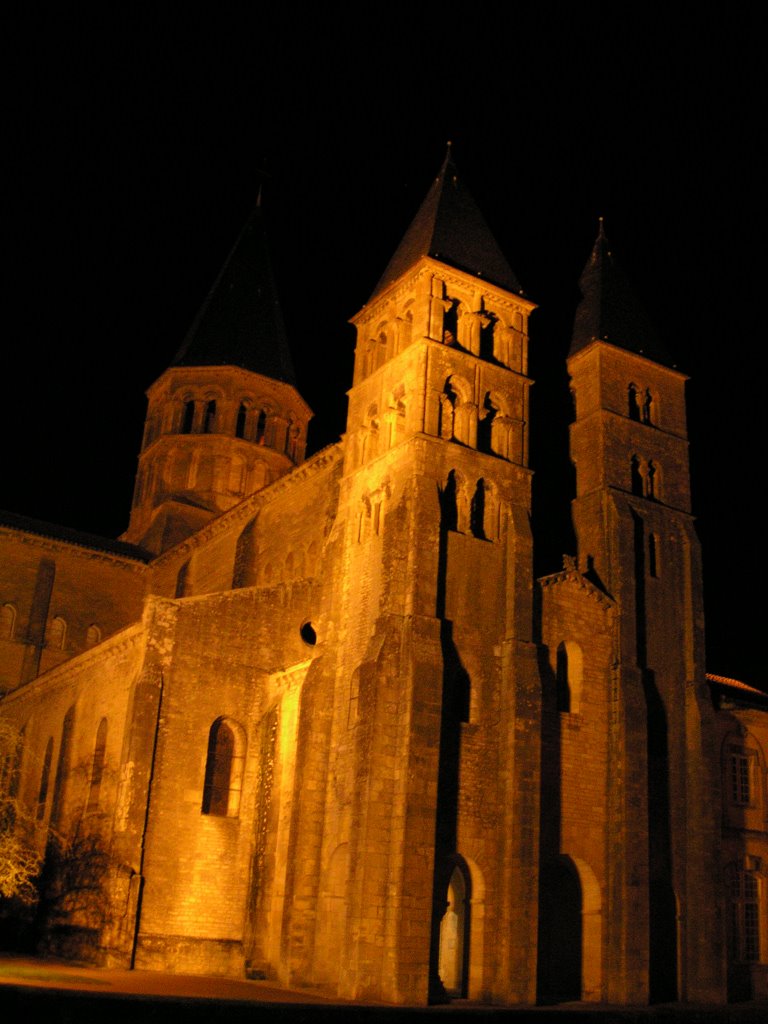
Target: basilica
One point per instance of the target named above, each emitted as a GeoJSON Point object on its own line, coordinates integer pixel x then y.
{"type": "Point", "coordinates": [315, 720]}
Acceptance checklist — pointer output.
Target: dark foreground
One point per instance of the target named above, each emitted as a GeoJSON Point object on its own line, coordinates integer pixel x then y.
{"type": "Point", "coordinates": [55, 992]}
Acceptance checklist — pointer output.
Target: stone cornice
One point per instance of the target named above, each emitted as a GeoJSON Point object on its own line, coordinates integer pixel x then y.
{"type": "Point", "coordinates": [81, 550]}
{"type": "Point", "coordinates": [450, 275]}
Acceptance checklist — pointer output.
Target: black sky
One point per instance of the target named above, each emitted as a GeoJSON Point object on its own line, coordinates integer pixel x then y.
{"type": "Point", "coordinates": [138, 142]}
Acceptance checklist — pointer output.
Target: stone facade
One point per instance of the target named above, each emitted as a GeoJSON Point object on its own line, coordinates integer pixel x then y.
{"type": "Point", "coordinates": [321, 720]}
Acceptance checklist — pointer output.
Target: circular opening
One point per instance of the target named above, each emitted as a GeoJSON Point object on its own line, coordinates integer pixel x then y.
{"type": "Point", "coordinates": [308, 634]}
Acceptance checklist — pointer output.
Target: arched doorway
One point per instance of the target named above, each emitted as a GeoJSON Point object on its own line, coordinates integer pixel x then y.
{"type": "Point", "coordinates": [453, 950]}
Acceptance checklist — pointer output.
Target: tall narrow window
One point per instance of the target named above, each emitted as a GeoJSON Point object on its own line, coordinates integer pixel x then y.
{"type": "Point", "coordinates": [45, 778]}
{"type": "Point", "coordinates": [224, 769]}
{"type": "Point", "coordinates": [633, 402]}
{"type": "Point", "coordinates": [188, 418]}
{"type": "Point", "coordinates": [63, 766]}
{"type": "Point", "coordinates": [636, 476]}
{"type": "Point", "coordinates": [647, 407]}
{"type": "Point", "coordinates": [740, 778]}
{"type": "Point", "coordinates": [209, 419]}
{"type": "Point", "coordinates": [745, 916]}
{"type": "Point", "coordinates": [97, 767]}
{"type": "Point", "coordinates": [650, 479]}
{"type": "Point", "coordinates": [242, 416]}
{"type": "Point", "coordinates": [261, 426]}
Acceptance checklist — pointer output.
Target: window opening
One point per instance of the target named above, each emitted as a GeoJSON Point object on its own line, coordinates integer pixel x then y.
{"type": "Point", "coordinates": [45, 778]}
{"type": "Point", "coordinates": [189, 417]}
{"type": "Point", "coordinates": [218, 769]}
{"type": "Point", "coordinates": [97, 766]}
{"type": "Point", "coordinates": [209, 420]}
{"type": "Point", "coordinates": [242, 416]}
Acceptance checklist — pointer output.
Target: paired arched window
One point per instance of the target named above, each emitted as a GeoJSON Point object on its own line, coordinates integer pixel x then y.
{"type": "Point", "coordinates": [224, 769]}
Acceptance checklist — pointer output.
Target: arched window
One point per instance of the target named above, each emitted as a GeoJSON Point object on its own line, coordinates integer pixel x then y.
{"type": "Point", "coordinates": [57, 633]}
{"type": "Point", "coordinates": [651, 484]}
{"type": "Point", "coordinates": [636, 477]}
{"type": "Point", "coordinates": [181, 580]}
{"type": "Point", "coordinates": [97, 766]}
{"type": "Point", "coordinates": [188, 418]}
{"type": "Point", "coordinates": [62, 767]}
{"type": "Point", "coordinates": [647, 407]}
{"type": "Point", "coordinates": [242, 417]}
{"type": "Point", "coordinates": [209, 418]}
{"type": "Point", "coordinates": [568, 677]}
{"type": "Point", "coordinates": [92, 635]}
{"type": "Point", "coordinates": [261, 426]}
{"type": "Point", "coordinates": [7, 621]}
{"type": "Point", "coordinates": [45, 778]}
{"type": "Point", "coordinates": [224, 769]}
{"type": "Point", "coordinates": [633, 400]}
{"type": "Point", "coordinates": [477, 511]}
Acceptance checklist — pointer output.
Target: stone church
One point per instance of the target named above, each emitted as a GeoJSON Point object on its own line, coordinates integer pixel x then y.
{"type": "Point", "coordinates": [318, 719]}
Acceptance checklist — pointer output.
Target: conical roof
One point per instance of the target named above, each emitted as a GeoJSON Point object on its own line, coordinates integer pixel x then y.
{"type": "Point", "coordinates": [449, 227]}
{"type": "Point", "coordinates": [241, 323]}
{"type": "Point", "coordinates": [610, 311]}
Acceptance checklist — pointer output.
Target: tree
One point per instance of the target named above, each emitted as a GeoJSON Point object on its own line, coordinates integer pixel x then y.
{"type": "Point", "coordinates": [20, 859]}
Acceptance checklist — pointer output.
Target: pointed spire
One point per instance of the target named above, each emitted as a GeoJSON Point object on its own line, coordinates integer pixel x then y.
{"type": "Point", "coordinates": [449, 227]}
{"type": "Point", "coordinates": [241, 323]}
{"type": "Point", "coordinates": [610, 311]}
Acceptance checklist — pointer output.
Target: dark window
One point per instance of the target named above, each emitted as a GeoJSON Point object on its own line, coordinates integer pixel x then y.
{"type": "Point", "coordinates": [261, 426]}
{"type": "Point", "coordinates": [740, 778]}
{"type": "Point", "coordinates": [218, 769]}
{"type": "Point", "coordinates": [209, 420]}
{"type": "Point", "coordinates": [188, 418]}
{"type": "Point", "coordinates": [634, 403]}
{"type": "Point", "coordinates": [45, 778]}
{"type": "Point", "coordinates": [745, 917]}
{"type": "Point", "coordinates": [97, 768]}
{"type": "Point", "coordinates": [242, 416]}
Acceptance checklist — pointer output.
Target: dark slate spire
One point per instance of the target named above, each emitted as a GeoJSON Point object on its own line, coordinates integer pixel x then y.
{"type": "Point", "coordinates": [450, 228]}
{"type": "Point", "coordinates": [240, 323]}
{"type": "Point", "coordinates": [610, 311]}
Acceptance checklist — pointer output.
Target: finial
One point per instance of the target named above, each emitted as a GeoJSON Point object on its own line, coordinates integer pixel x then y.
{"type": "Point", "coordinates": [601, 229]}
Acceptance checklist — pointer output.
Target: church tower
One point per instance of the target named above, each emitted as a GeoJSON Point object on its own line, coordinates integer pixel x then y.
{"type": "Point", "coordinates": [225, 419]}
{"type": "Point", "coordinates": [436, 669]}
{"type": "Point", "coordinates": [637, 542]}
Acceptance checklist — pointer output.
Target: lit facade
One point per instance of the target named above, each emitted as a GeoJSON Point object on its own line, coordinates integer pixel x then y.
{"type": "Point", "coordinates": [325, 723]}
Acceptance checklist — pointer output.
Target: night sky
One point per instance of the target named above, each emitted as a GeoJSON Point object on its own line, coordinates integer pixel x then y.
{"type": "Point", "coordinates": [138, 142]}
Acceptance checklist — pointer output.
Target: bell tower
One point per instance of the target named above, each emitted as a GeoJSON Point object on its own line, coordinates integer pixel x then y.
{"type": "Point", "coordinates": [225, 419]}
{"type": "Point", "coordinates": [637, 541]}
{"type": "Point", "coordinates": [437, 665]}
